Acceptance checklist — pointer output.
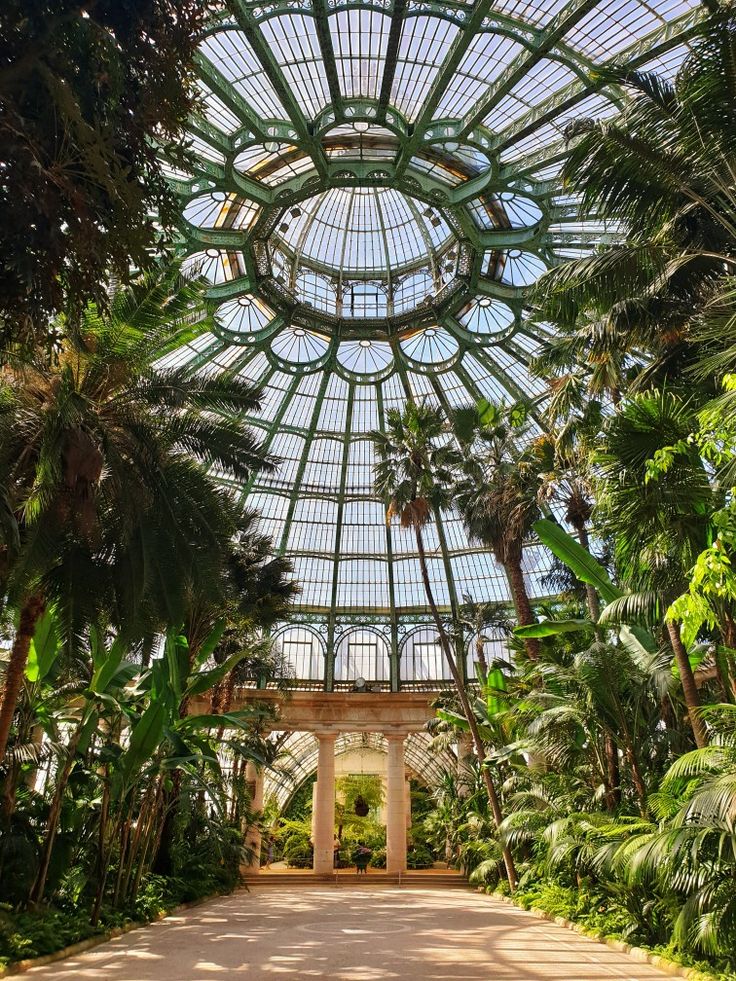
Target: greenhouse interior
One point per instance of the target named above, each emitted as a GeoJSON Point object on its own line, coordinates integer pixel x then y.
{"type": "Point", "coordinates": [367, 469]}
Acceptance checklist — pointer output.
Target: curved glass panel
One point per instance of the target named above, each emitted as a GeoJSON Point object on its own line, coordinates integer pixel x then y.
{"type": "Point", "coordinates": [373, 189]}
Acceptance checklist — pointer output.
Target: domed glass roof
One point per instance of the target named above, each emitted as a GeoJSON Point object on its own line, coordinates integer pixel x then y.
{"type": "Point", "coordinates": [372, 189]}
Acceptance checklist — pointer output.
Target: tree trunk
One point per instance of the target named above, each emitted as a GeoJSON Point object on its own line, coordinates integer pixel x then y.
{"type": "Point", "coordinates": [52, 822]}
{"type": "Point", "coordinates": [101, 863]}
{"type": "Point", "coordinates": [521, 604]}
{"type": "Point", "coordinates": [613, 775]}
{"type": "Point", "coordinates": [29, 616]}
{"type": "Point", "coordinates": [728, 635]}
{"type": "Point", "coordinates": [637, 780]}
{"type": "Point", "coordinates": [466, 707]}
{"type": "Point", "coordinates": [687, 680]}
{"type": "Point", "coordinates": [226, 699]}
{"type": "Point", "coordinates": [594, 604]}
{"type": "Point", "coordinates": [480, 656]}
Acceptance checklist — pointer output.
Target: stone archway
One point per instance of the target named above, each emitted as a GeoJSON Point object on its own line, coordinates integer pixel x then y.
{"type": "Point", "coordinates": [326, 716]}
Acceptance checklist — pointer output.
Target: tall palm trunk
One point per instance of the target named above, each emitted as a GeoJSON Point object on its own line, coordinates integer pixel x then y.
{"type": "Point", "coordinates": [610, 746]}
{"type": "Point", "coordinates": [227, 699]}
{"type": "Point", "coordinates": [480, 655]}
{"type": "Point", "coordinates": [594, 605]}
{"type": "Point", "coordinates": [466, 706]}
{"type": "Point", "coordinates": [522, 605]}
{"type": "Point", "coordinates": [613, 773]}
{"type": "Point", "coordinates": [689, 688]}
{"type": "Point", "coordinates": [30, 614]}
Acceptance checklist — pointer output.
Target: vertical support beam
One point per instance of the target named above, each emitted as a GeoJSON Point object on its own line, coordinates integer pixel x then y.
{"type": "Point", "coordinates": [324, 805]}
{"type": "Point", "coordinates": [394, 651]}
{"type": "Point", "coordinates": [254, 780]}
{"type": "Point", "coordinates": [330, 666]}
{"type": "Point", "coordinates": [395, 804]}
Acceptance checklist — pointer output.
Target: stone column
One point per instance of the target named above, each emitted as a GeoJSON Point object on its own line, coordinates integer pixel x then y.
{"type": "Point", "coordinates": [254, 781]}
{"type": "Point", "coordinates": [395, 804]}
{"type": "Point", "coordinates": [324, 805]}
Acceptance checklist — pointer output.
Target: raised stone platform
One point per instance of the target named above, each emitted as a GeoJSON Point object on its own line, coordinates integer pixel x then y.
{"type": "Point", "coordinates": [416, 878]}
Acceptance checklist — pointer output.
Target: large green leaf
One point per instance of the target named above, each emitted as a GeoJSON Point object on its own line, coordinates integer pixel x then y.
{"type": "Point", "coordinates": [576, 558]}
{"type": "Point", "coordinates": [204, 680]}
{"type": "Point", "coordinates": [229, 720]}
{"type": "Point", "coordinates": [489, 414]}
{"type": "Point", "coordinates": [550, 628]}
{"type": "Point", "coordinates": [462, 723]}
{"type": "Point", "coordinates": [44, 648]}
{"type": "Point", "coordinates": [176, 655]}
{"type": "Point", "coordinates": [108, 668]}
{"type": "Point", "coordinates": [145, 737]}
{"type": "Point", "coordinates": [637, 640]}
{"type": "Point", "coordinates": [495, 684]}
{"type": "Point", "coordinates": [210, 643]}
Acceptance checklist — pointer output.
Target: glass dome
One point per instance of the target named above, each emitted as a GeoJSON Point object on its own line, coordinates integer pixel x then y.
{"type": "Point", "coordinates": [372, 189]}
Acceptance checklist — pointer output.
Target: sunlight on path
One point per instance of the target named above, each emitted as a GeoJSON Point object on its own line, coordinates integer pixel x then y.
{"type": "Point", "coordinates": [351, 934]}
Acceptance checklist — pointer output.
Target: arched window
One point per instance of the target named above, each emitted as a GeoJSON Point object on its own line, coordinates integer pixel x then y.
{"type": "Point", "coordinates": [362, 654]}
{"type": "Point", "coordinates": [422, 658]}
{"type": "Point", "coordinates": [304, 651]}
{"type": "Point", "coordinates": [364, 300]}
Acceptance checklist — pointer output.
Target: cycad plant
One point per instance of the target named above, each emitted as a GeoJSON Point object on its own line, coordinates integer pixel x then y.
{"type": "Point", "coordinates": [104, 452]}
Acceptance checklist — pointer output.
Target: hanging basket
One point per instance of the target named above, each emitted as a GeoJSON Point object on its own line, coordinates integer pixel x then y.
{"type": "Point", "coordinates": [361, 807]}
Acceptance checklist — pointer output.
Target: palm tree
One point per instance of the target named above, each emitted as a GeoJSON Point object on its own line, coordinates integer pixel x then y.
{"type": "Point", "coordinates": [562, 456]}
{"type": "Point", "coordinates": [414, 476]}
{"type": "Point", "coordinates": [260, 591]}
{"type": "Point", "coordinates": [663, 170]}
{"type": "Point", "coordinates": [104, 453]}
{"type": "Point", "coordinates": [497, 497]}
{"type": "Point", "coordinates": [658, 526]}
{"type": "Point", "coordinates": [476, 618]}
{"type": "Point", "coordinates": [589, 358]}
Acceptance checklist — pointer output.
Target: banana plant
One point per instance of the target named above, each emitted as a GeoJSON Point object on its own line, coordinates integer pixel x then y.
{"type": "Point", "coordinates": [590, 572]}
{"type": "Point", "coordinates": [163, 739]}
{"type": "Point", "coordinates": [620, 608]}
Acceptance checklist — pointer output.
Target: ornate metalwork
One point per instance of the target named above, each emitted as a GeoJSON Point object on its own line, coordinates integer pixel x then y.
{"type": "Point", "coordinates": [374, 190]}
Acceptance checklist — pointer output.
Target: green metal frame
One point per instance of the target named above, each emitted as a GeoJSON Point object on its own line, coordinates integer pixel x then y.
{"type": "Point", "coordinates": [483, 163]}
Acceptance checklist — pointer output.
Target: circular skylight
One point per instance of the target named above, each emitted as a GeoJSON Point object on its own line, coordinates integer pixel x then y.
{"type": "Point", "coordinates": [366, 231]}
{"type": "Point", "coordinates": [363, 252]}
{"type": "Point", "coordinates": [376, 182]}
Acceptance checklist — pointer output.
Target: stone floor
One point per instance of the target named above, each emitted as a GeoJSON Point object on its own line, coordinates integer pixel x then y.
{"type": "Point", "coordinates": [367, 933]}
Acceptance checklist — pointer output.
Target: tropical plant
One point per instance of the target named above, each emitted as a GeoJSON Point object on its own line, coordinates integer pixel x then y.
{"type": "Point", "coordinates": [414, 477]}
{"type": "Point", "coordinates": [104, 457]}
{"type": "Point", "coordinates": [668, 289]}
{"type": "Point", "coordinates": [496, 494]}
{"type": "Point", "coordinates": [476, 619]}
{"type": "Point", "coordinates": [90, 93]}
{"type": "Point", "coordinates": [658, 527]}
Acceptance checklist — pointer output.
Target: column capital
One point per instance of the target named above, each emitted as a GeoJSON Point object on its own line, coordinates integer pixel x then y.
{"type": "Point", "coordinates": [391, 735]}
{"type": "Point", "coordinates": [325, 735]}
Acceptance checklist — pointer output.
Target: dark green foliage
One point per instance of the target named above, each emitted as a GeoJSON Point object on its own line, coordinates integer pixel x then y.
{"type": "Point", "coordinates": [86, 92]}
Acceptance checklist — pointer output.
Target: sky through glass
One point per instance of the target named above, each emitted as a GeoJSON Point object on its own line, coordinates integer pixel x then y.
{"type": "Point", "coordinates": [374, 190]}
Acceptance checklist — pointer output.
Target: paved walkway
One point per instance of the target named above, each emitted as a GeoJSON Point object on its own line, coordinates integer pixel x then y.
{"type": "Point", "coordinates": [351, 934]}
